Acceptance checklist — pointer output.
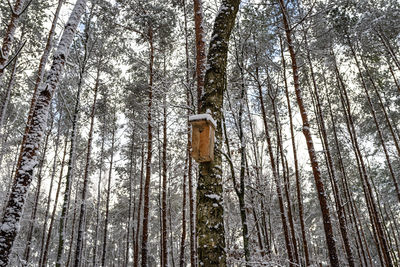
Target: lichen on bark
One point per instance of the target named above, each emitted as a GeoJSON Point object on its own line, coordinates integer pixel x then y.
{"type": "Point", "coordinates": [210, 221]}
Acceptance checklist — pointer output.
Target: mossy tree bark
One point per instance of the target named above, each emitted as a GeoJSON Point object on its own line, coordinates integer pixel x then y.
{"type": "Point", "coordinates": [210, 221]}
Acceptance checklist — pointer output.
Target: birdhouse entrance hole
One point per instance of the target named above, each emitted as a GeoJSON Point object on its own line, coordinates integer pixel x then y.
{"type": "Point", "coordinates": [203, 133]}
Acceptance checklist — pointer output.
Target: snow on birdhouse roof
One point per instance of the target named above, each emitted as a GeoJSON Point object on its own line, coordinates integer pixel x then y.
{"type": "Point", "coordinates": [205, 116]}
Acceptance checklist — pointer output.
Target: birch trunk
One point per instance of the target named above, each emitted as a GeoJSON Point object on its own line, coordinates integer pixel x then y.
{"type": "Point", "coordinates": [37, 196]}
{"type": "Point", "coordinates": [28, 158]}
{"type": "Point", "coordinates": [210, 220]}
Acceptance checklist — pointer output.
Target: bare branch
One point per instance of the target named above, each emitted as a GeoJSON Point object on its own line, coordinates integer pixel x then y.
{"type": "Point", "coordinates": [15, 56]}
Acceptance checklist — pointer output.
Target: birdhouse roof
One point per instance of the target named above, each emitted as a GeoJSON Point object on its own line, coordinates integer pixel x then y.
{"type": "Point", "coordinates": [205, 116]}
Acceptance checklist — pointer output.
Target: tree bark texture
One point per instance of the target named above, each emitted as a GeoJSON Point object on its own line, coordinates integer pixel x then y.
{"type": "Point", "coordinates": [28, 159]}
{"type": "Point", "coordinates": [210, 221]}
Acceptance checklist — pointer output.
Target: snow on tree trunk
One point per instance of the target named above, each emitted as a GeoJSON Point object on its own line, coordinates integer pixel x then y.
{"type": "Point", "coordinates": [28, 160]}
{"type": "Point", "coordinates": [41, 70]}
{"type": "Point", "coordinates": [210, 220]}
{"type": "Point", "coordinates": [8, 40]}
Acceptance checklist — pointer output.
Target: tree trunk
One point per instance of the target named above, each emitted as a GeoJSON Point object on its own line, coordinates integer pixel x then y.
{"type": "Point", "coordinates": [330, 240]}
{"type": "Point", "coordinates": [164, 187]}
{"type": "Point", "coordinates": [41, 70]}
{"type": "Point", "coordinates": [73, 228]}
{"type": "Point", "coordinates": [210, 220]}
{"type": "Point", "coordinates": [37, 196]}
{"type": "Point", "coordinates": [131, 215]}
{"type": "Point", "coordinates": [98, 221]}
{"type": "Point", "coordinates": [139, 218]}
{"type": "Point", "coordinates": [43, 259]}
{"type": "Point", "coordinates": [53, 173]}
{"type": "Point", "coordinates": [200, 50]}
{"type": "Point", "coordinates": [325, 142]}
{"type": "Point", "coordinates": [378, 128]}
{"type": "Point", "coordinates": [6, 100]}
{"type": "Point", "coordinates": [149, 152]}
{"type": "Point", "coordinates": [285, 174]}
{"type": "Point", "coordinates": [188, 146]}
{"type": "Point", "coordinates": [79, 242]}
{"type": "Point", "coordinates": [296, 163]}
{"type": "Point", "coordinates": [275, 173]}
{"type": "Point", "coordinates": [28, 158]}
{"type": "Point", "coordinates": [69, 178]}
{"type": "Point", "coordinates": [105, 238]}
{"type": "Point", "coordinates": [8, 40]}
{"type": "Point", "coordinates": [372, 210]}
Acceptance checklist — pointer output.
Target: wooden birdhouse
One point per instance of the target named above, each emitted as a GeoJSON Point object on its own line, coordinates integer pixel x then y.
{"type": "Point", "coordinates": [203, 133]}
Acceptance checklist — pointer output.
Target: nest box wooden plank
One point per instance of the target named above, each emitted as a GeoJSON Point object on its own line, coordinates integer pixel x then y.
{"type": "Point", "coordinates": [203, 134]}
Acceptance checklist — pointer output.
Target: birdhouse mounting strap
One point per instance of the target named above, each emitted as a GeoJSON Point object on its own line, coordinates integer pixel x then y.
{"type": "Point", "coordinates": [204, 116]}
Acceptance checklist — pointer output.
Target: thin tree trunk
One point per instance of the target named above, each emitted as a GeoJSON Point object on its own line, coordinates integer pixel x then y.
{"type": "Point", "coordinates": [388, 47]}
{"type": "Point", "coordinates": [339, 207]}
{"type": "Point", "coordinates": [6, 97]}
{"type": "Point", "coordinates": [164, 187]}
{"type": "Point", "coordinates": [241, 191]}
{"type": "Point", "coordinates": [146, 196]}
{"type": "Point", "coordinates": [378, 128]}
{"type": "Point", "coordinates": [275, 173]}
{"type": "Point", "coordinates": [43, 260]}
{"type": "Point", "coordinates": [69, 178]}
{"type": "Point", "coordinates": [131, 215]}
{"type": "Point", "coordinates": [53, 173]}
{"type": "Point", "coordinates": [73, 228]}
{"type": "Point", "coordinates": [170, 226]}
{"type": "Point", "coordinates": [188, 158]}
{"type": "Point", "coordinates": [139, 218]}
{"type": "Point", "coordinates": [105, 238]}
{"type": "Point", "coordinates": [377, 225]}
{"type": "Point", "coordinates": [200, 50]}
{"type": "Point", "coordinates": [347, 194]}
{"type": "Point", "coordinates": [391, 128]}
{"type": "Point", "coordinates": [41, 70]}
{"type": "Point", "coordinates": [79, 242]}
{"type": "Point", "coordinates": [286, 184]}
{"type": "Point", "coordinates": [8, 40]}
{"type": "Point", "coordinates": [258, 169]}
{"type": "Point", "coordinates": [296, 163]}
{"type": "Point", "coordinates": [330, 240]}
{"type": "Point", "coordinates": [359, 161]}
{"type": "Point", "coordinates": [96, 234]}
